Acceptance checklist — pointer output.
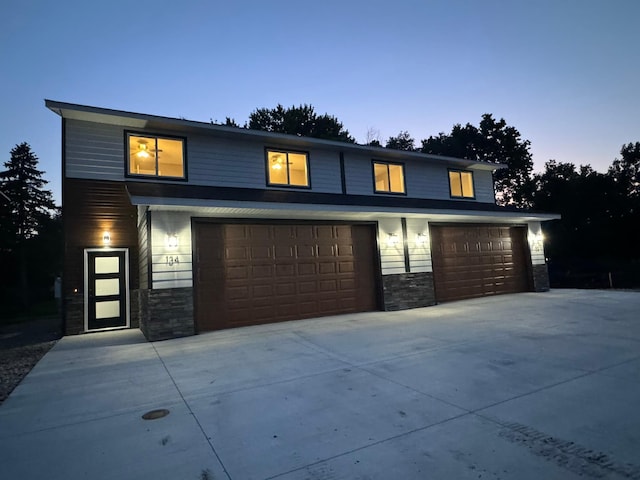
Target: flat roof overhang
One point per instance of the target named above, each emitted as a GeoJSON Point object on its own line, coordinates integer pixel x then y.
{"type": "Point", "coordinates": [248, 203]}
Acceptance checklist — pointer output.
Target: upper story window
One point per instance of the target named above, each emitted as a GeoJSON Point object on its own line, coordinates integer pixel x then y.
{"type": "Point", "coordinates": [154, 156]}
{"type": "Point", "coordinates": [288, 168]}
{"type": "Point", "coordinates": [388, 177]}
{"type": "Point", "coordinates": [461, 184]}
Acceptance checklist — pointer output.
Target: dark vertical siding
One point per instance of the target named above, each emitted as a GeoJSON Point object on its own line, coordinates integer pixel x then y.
{"type": "Point", "coordinates": [90, 208]}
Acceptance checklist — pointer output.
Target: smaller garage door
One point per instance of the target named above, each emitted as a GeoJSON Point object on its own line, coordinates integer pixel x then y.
{"type": "Point", "coordinates": [474, 261]}
{"type": "Point", "coordinates": [249, 274]}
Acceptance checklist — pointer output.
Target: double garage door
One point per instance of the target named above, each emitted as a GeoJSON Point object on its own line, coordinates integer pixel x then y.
{"type": "Point", "coordinates": [256, 273]}
{"type": "Point", "coordinates": [478, 260]}
{"type": "Point", "coordinates": [249, 274]}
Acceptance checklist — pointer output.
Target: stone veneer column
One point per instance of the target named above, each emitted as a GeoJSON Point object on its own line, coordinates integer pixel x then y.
{"type": "Point", "coordinates": [408, 290]}
{"type": "Point", "coordinates": [166, 313]}
{"type": "Point", "coordinates": [540, 278]}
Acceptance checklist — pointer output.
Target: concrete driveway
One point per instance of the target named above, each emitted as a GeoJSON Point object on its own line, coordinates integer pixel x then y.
{"type": "Point", "coordinates": [527, 386]}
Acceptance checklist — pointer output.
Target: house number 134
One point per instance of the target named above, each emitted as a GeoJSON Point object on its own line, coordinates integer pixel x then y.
{"type": "Point", "coordinates": [171, 261]}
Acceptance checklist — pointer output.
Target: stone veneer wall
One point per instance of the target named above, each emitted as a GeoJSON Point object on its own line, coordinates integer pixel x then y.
{"type": "Point", "coordinates": [166, 313]}
{"type": "Point", "coordinates": [540, 278]}
{"type": "Point", "coordinates": [408, 290]}
{"type": "Point", "coordinates": [74, 314]}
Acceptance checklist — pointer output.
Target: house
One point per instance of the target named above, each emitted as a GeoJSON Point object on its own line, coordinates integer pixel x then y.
{"type": "Point", "coordinates": [178, 227]}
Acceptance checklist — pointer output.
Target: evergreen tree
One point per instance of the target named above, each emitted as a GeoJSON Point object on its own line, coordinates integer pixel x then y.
{"type": "Point", "coordinates": [26, 208]}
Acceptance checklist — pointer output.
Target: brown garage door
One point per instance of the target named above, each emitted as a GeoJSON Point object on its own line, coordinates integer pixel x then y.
{"type": "Point", "coordinates": [251, 274]}
{"type": "Point", "coordinates": [473, 261]}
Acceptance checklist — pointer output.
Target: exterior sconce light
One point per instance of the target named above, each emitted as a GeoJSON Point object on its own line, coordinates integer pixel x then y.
{"type": "Point", "coordinates": [172, 241]}
{"type": "Point", "coordinates": [392, 239]}
{"type": "Point", "coordinates": [106, 238]}
{"type": "Point", "coordinates": [421, 239]}
{"type": "Point", "coordinates": [536, 241]}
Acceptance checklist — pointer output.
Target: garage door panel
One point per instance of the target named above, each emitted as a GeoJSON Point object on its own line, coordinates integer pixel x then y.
{"type": "Point", "coordinates": [307, 287]}
{"type": "Point", "coordinates": [470, 261]}
{"type": "Point", "coordinates": [281, 272]}
{"type": "Point", "coordinates": [305, 269]}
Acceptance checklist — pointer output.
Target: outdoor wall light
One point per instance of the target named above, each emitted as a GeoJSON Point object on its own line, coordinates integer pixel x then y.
{"type": "Point", "coordinates": [421, 239]}
{"type": "Point", "coordinates": [106, 238]}
{"type": "Point", "coordinates": [392, 239]}
{"type": "Point", "coordinates": [172, 241]}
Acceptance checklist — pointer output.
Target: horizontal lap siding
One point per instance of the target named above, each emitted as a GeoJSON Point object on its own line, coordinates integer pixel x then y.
{"type": "Point", "coordinates": [171, 267]}
{"type": "Point", "coordinates": [422, 179]}
{"type": "Point", "coordinates": [90, 208]}
{"type": "Point", "coordinates": [94, 150]}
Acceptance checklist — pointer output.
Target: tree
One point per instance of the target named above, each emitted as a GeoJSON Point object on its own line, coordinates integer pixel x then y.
{"type": "Point", "coordinates": [493, 141]}
{"type": "Point", "coordinates": [301, 120]}
{"type": "Point", "coordinates": [373, 137]}
{"type": "Point", "coordinates": [403, 141]}
{"type": "Point", "coordinates": [27, 210]}
{"type": "Point", "coordinates": [626, 171]}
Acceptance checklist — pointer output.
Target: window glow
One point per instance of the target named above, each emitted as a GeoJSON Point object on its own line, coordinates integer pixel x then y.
{"type": "Point", "coordinates": [461, 184]}
{"type": "Point", "coordinates": [156, 156]}
{"type": "Point", "coordinates": [287, 168]}
{"type": "Point", "coordinates": [388, 177]}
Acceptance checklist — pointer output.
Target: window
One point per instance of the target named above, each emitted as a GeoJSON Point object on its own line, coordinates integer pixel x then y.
{"type": "Point", "coordinates": [388, 177]}
{"type": "Point", "coordinates": [155, 156]}
{"type": "Point", "coordinates": [287, 168]}
{"type": "Point", "coordinates": [461, 184]}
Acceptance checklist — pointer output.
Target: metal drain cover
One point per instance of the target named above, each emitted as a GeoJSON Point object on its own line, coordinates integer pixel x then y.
{"type": "Point", "coordinates": [155, 414]}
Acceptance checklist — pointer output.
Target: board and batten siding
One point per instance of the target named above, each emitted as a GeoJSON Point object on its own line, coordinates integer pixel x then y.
{"type": "Point", "coordinates": [171, 267]}
{"type": "Point", "coordinates": [536, 243]}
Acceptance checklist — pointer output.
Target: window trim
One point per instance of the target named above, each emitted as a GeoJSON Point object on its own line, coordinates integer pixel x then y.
{"type": "Point", "coordinates": [385, 192]}
{"type": "Point", "coordinates": [286, 151]}
{"type": "Point", "coordinates": [473, 184]}
{"type": "Point", "coordinates": [127, 166]}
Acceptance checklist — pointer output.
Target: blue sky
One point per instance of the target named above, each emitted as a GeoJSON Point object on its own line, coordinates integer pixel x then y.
{"type": "Point", "coordinates": [565, 73]}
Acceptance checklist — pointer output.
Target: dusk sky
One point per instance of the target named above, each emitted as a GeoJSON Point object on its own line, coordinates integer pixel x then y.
{"type": "Point", "coordinates": [566, 74]}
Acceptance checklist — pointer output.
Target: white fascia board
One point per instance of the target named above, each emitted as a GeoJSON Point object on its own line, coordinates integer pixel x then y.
{"type": "Point", "coordinates": [271, 209]}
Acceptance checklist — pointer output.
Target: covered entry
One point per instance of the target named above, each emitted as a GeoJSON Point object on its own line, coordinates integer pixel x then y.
{"type": "Point", "coordinates": [477, 260]}
{"type": "Point", "coordinates": [259, 273]}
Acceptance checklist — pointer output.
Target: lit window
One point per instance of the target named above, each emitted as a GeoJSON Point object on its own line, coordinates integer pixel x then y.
{"type": "Point", "coordinates": [461, 184]}
{"type": "Point", "coordinates": [388, 177]}
{"type": "Point", "coordinates": [287, 168]}
{"type": "Point", "coordinates": [155, 156]}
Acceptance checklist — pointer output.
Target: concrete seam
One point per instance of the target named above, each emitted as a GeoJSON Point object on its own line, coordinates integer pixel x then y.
{"type": "Point", "coordinates": [207, 438]}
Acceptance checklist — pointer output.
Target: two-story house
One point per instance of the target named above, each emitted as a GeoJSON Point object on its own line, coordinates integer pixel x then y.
{"type": "Point", "coordinates": [178, 227]}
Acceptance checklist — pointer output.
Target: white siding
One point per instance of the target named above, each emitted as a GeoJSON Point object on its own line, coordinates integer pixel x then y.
{"type": "Point", "coordinates": [422, 179]}
{"type": "Point", "coordinates": [419, 253]}
{"type": "Point", "coordinates": [358, 174]}
{"type": "Point", "coordinates": [483, 184]}
{"type": "Point", "coordinates": [171, 267]}
{"type": "Point", "coordinates": [227, 163]}
{"type": "Point", "coordinates": [94, 150]}
{"type": "Point", "coordinates": [97, 151]}
{"type": "Point", "coordinates": [391, 256]}
{"type": "Point", "coordinates": [536, 243]}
